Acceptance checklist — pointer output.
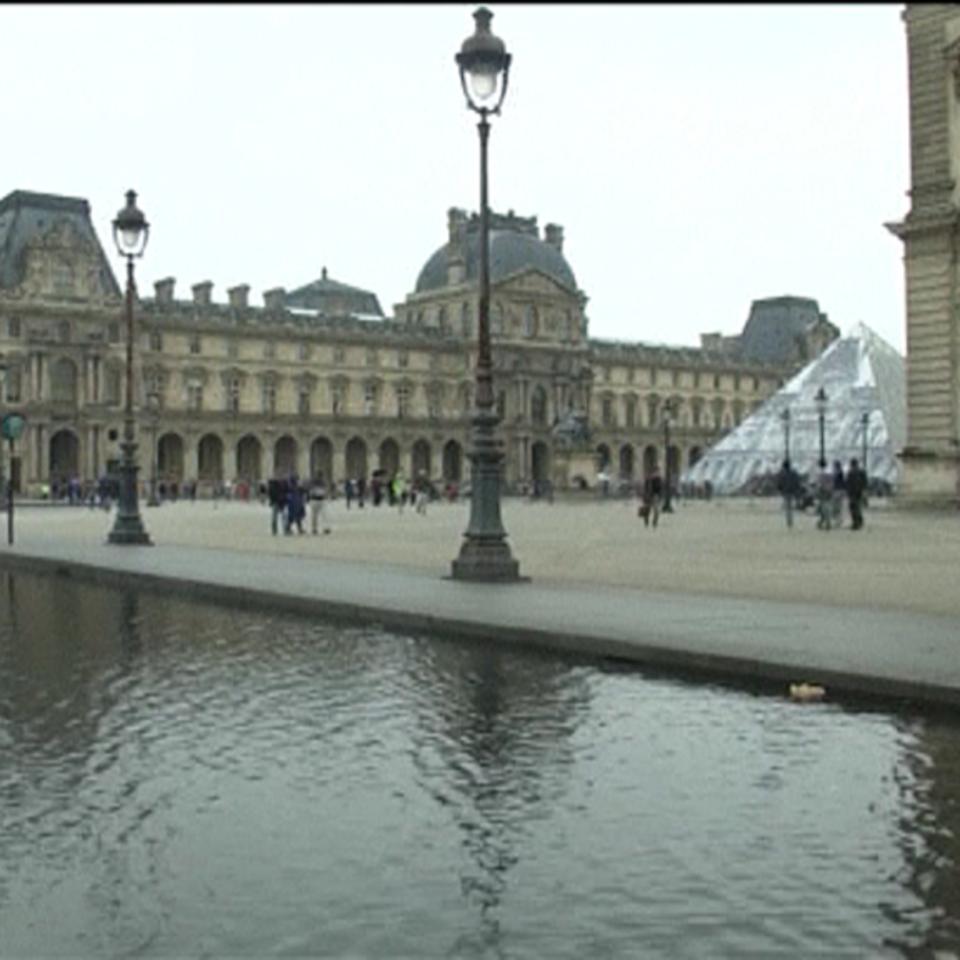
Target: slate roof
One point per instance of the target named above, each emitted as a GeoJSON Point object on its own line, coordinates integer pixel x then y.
{"type": "Point", "coordinates": [771, 331]}
{"type": "Point", "coordinates": [330, 297]}
{"type": "Point", "coordinates": [510, 251]}
{"type": "Point", "coordinates": [25, 215]}
{"type": "Point", "coordinates": [860, 373]}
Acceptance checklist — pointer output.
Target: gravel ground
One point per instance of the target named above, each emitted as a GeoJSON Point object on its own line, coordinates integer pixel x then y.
{"type": "Point", "coordinates": [736, 548]}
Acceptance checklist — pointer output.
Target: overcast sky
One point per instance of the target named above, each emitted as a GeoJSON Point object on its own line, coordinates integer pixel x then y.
{"type": "Point", "coordinates": [698, 157]}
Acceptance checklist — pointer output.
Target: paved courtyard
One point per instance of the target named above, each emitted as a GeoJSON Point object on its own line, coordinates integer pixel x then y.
{"type": "Point", "coordinates": [901, 561]}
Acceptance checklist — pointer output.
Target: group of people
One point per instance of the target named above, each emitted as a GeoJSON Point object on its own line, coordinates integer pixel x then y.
{"type": "Point", "coordinates": [288, 499]}
{"type": "Point", "coordinates": [832, 488]}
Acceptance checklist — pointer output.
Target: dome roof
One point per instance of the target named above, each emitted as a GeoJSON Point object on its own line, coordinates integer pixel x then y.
{"type": "Point", "coordinates": [510, 251]}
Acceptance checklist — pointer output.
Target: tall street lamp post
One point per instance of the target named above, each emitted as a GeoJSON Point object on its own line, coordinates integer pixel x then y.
{"type": "Point", "coordinates": [130, 232]}
{"type": "Point", "coordinates": [821, 400]}
{"type": "Point", "coordinates": [865, 423]}
{"type": "Point", "coordinates": [667, 478]}
{"type": "Point", "coordinates": [785, 417]}
{"type": "Point", "coordinates": [484, 555]}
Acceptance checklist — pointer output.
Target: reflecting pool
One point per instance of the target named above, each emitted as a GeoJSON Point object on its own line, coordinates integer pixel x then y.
{"type": "Point", "coordinates": [181, 779]}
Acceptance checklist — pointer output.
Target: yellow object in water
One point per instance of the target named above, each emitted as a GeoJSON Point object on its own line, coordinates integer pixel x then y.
{"type": "Point", "coordinates": [805, 692]}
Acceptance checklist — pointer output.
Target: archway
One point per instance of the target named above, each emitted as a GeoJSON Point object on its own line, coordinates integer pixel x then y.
{"type": "Point", "coordinates": [452, 462]}
{"type": "Point", "coordinates": [389, 457]}
{"type": "Point", "coordinates": [651, 457]}
{"type": "Point", "coordinates": [626, 462]}
{"type": "Point", "coordinates": [321, 458]}
{"type": "Point", "coordinates": [170, 458]}
{"type": "Point", "coordinates": [210, 460]}
{"type": "Point", "coordinates": [356, 458]}
{"type": "Point", "coordinates": [248, 459]}
{"type": "Point", "coordinates": [421, 459]}
{"type": "Point", "coordinates": [693, 458]}
{"type": "Point", "coordinates": [603, 456]}
{"type": "Point", "coordinates": [540, 463]}
{"type": "Point", "coordinates": [285, 456]}
{"type": "Point", "coordinates": [64, 457]}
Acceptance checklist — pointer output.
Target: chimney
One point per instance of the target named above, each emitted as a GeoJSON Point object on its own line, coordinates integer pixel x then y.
{"type": "Point", "coordinates": [239, 296]}
{"type": "Point", "coordinates": [164, 290]}
{"type": "Point", "coordinates": [553, 234]}
{"type": "Point", "coordinates": [201, 293]}
{"type": "Point", "coordinates": [456, 252]}
{"type": "Point", "coordinates": [274, 299]}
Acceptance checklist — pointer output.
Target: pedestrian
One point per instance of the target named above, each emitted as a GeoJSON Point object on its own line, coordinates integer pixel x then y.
{"type": "Point", "coordinates": [824, 498]}
{"type": "Point", "coordinates": [788, 483]}
{"type": "Point", "coordinates": [361, 491]}
{"type": "Point", "coordinates": [839, 493]}
{"type": "Point", "coordinates": [318, 503]}
{"type": "Point", "coordinates": [422, 488]}
{"type": "Point", "coordinates": [296, 507]}
{"type": "Point", "coordinates": [277, 498]}
{"type": "Point", "coordinates": [652, 495]}
{"type": "Point", "coordinates": [348, 491]}
{"type": "Point", "coordinates": [399, 489]}
{"type": "Point", "coordinates": [856, 488]}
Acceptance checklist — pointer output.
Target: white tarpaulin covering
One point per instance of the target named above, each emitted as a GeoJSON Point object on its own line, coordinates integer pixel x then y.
{"type": "Point", "coordinates": [860, 373]}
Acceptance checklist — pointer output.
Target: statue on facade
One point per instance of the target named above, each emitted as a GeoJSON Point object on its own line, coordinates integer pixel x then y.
{"type": "Point", "coordinates": [571, 430]}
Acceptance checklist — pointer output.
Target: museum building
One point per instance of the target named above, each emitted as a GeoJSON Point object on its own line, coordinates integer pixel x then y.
{"type": "Point", "coordinates": [318, 378]}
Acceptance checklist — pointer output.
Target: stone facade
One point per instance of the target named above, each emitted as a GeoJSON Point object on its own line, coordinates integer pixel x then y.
{"type": "Point", "coordinates": [931, 236]}
{"type": "Point", "coordinates": [317, 379]}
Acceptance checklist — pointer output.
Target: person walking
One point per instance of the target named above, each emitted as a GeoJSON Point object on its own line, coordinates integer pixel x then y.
{"type": "Point", "coordinates": [824, 498]}
{"type": "Point", "coordinates": [296, 509]}
{"type": "Point", "coordinates": [839, 493]}
{"type": "Point", "coordinates": [318, 503]}
{"type": "Point", "coordinates": [652, 495]}
{"type": "Point", "coordinates": [788, 483]}
{"type": "Point", "coordinates": [277, 498]}
{"type": "Point", "coordinates": [856, 488]}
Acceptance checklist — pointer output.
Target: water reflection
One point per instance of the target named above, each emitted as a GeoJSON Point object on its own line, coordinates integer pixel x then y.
{"type": "Point", "coordinates": [185, 779]}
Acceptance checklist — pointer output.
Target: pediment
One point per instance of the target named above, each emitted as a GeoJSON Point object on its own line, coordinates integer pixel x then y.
{"type": "Point", "coordinates": [532, 280]}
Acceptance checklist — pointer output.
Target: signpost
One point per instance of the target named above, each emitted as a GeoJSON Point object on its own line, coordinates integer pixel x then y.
{"type": "Point", "coordinates": [10, 428]}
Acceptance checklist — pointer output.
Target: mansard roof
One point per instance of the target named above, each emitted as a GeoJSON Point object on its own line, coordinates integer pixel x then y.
{"type": "Point", "coordinates": [775, 327]}
{"type": "Point", "coordinates": [27, 217]}
{"type": "Point", "coordinates": [331, 297]}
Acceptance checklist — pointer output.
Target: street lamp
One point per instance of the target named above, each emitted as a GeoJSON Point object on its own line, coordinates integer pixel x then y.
{"type": "Point", "coordinates": [130, 232]}
{"type": "Point", "coordinates": [484, 555]}
{"type": "Point", "coordinates": [667, 479]}
{"type": "Point", "coordinates": [785, 417]}
{"type": "Point", "coordinates": [865, 423]}
{"type": "Point", "coordinates": [153, 405]}
{"type": "Point", "coordinates": [821, 399]}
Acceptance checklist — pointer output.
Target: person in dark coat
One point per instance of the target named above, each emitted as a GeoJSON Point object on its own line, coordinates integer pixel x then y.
{"type": "Point", "coordinates": [856, 488]}
{"type": "Point", "coordinates": [788, 483]}
{"type": "Point", "coordinates": [296, 505]}
{"type": "Point", "coordinates": [277, 497]}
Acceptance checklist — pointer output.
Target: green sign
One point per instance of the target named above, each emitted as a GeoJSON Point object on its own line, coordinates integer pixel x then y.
{"type": "Point", "coordinates": [12, 426]}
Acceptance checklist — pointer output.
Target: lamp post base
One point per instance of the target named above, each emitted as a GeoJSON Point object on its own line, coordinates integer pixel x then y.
{"type": "Point", "coordinates": [486, 561]}
{"type": "Point", "coordinates": [128, 527]}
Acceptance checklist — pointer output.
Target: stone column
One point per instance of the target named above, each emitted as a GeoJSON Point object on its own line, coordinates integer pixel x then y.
{"type": "Point", "coordinates": [229, 459]}
{"type": "Point", "coordinates": [303, 457]}
{"type": "Point", "coordinates": [339, 462]}
{"type": "Point", "coordinates": [191, 458]}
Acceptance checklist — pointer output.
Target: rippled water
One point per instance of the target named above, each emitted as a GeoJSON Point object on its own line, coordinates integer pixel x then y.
{"type": "Point", "coordinates": [181, 779]}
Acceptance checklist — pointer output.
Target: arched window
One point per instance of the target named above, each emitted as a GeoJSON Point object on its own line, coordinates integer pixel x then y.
{"type": "Point", "coordinates": [530, 320]}
{"type": "Point", "coordinates": [538, 406]}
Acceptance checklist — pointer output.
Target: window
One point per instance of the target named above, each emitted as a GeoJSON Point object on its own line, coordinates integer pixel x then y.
{"type": "Point", "coordinates": [607, 414]}
{"type": "Point", "coordinates": [337, 396]}
{"type": "Point", "coordinates": [630, 411]}
{"type": "Point", "coordinates": [156, 341]}
{"type": "Point", "coordinates": [403, 358]}
{"type": "Point", "coordinates": [12, 385]}
{"type": "Point", "coordinates": [63, 331]}
{"type": "Point", "coordinates": [501, 403]}
{"type": "Point", "coordinates": [674, 378]}
{"type": "Point", "coordinates": [194, 397]}
{"type": "Point", "coordinates": [736, 382]}
{"type": "Point", "coordinates": [716, 381]}
{"type": "Point", "coordinates": [630, 374]}
{"type": "Point", "coordinates": [465, 397]}
{"type": "Point", "coordinates": [303, 351]}
{"type": "Point", "coordinates": [269, 397]}
{"type": "Point", "coordinates": [538, 406]}
{"type": "Point", "coordinates": [339, 355]}
{"type": "Point", "coordinates": [369, 399]}
{"type": "Point", "coordinates": [233, 394]}
{"type": "Point", "coordinates": [435, 401]}
{"type": "Point", "coordinates": [13, 327]}
{"type": "Point", "coordinates": [303, 399]}
{"type": "Point", "coordinates": [403, 400]}
{"type": "Point", "coordinates": [465, 324]}
{"type": "Point", "coordinates": [62, 279]}
{"type": "Point", "coordinates": [372, 358]}
{"type": "Point", "coordinates": [269, 350]}
{"type": "Point", "coordinates": [112, 386]}
{"type": "Point", "coordinates": [442, 319]}
{"type": "Point", "coordinates": [530, 321]}
{"type": "Point", "coordinates": [194, 342]}
{"type": "Point", "coordinates": [233, 348]}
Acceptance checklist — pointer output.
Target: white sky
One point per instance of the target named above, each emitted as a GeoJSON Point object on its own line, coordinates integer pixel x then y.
{"type": "Point", "coordinates": [698, 157]}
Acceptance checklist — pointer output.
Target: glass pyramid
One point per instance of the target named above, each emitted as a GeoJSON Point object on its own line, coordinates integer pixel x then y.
{"type": "Point", "coordinates": [860, 374]}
